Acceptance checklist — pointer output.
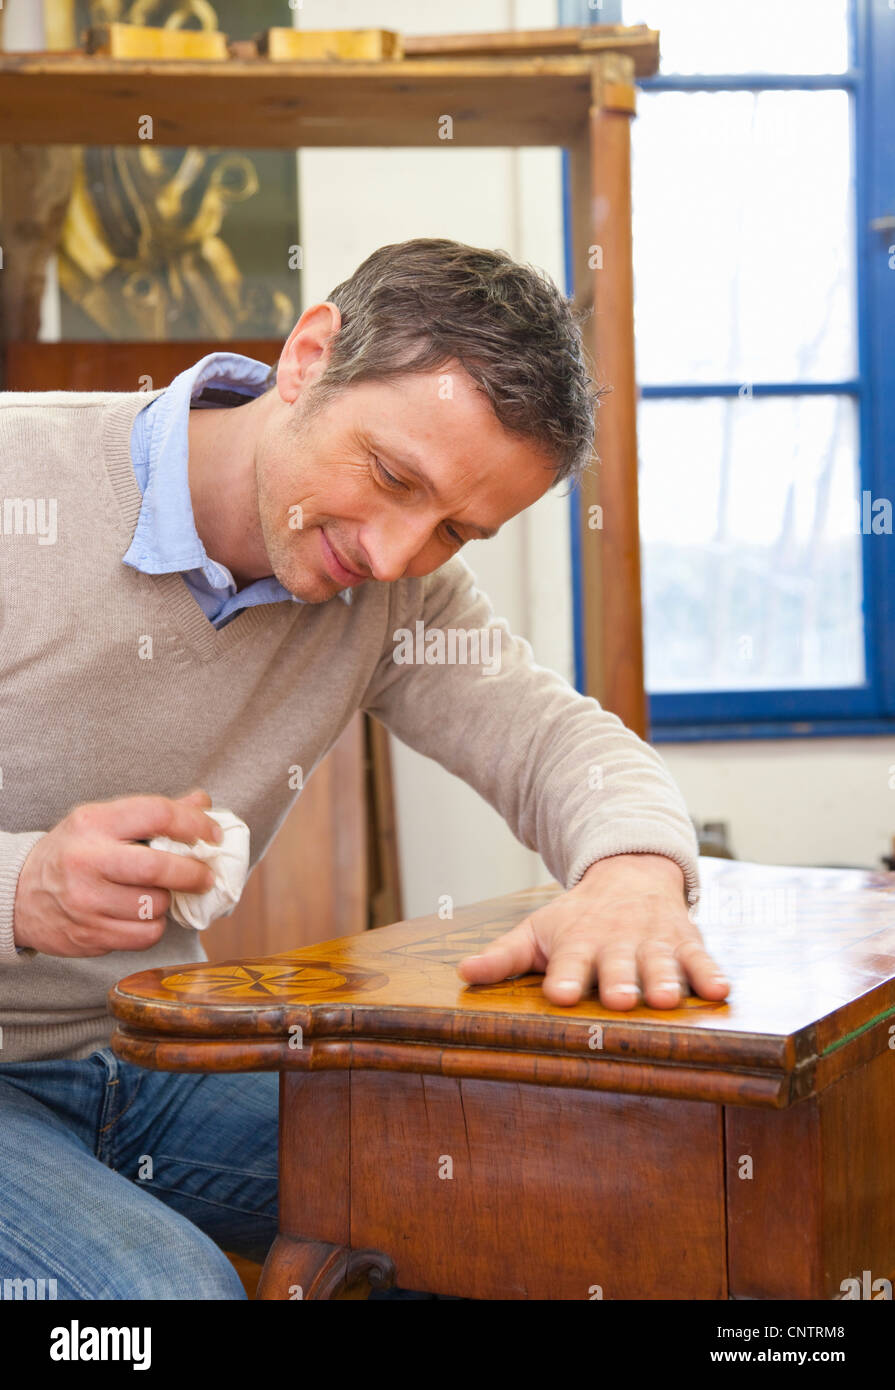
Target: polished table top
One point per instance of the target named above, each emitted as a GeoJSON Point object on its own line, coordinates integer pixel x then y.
{"type": "Point", "coordinates": [810, 953]}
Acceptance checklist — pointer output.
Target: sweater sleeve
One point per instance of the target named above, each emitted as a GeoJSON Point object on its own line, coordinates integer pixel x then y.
{"type": "Point", "coordinates": [568, 777]}
{"type": "Point", "coordinates": [14, 850]}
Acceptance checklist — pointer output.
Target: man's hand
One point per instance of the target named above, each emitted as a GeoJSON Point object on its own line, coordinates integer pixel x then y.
{"type": "Point", "coordinates": [623, 925]}
{"type": "Point", "coordinates": [87, 887]}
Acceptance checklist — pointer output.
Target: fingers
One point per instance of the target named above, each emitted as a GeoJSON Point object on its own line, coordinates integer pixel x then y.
{"type": "Point", "coordinates": [617, 976]}
{"type": "Point", "coordinates": [570, 970]}
{"type": "Point", "coordinates": [704, 973]}
{"type": "Point", "coordinates": [138, 866]}
{"type": "Point", "coordinates": [143, 817]}
{"type": "Point", "coordinates": [646, 951]}
{"type": "Point", "coordinates": [104, 934]}
{"type": "Point", "coordinates": [663, 982]}
{"type": "Point", "coordinates": [197, 796]}
{"type": "Point", "coordinates": [514, 953]}
{"type": "Point", "coordinates": [659, 969]}
{"type": "Point", "coordinates": [120, 902]}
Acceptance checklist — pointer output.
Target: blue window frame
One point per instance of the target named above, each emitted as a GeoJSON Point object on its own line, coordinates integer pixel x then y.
{"type": "Point", "coordinates": [867, 708]}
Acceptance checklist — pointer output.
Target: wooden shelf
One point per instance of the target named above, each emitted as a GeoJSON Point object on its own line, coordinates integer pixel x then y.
{"type": "Point", "coordinates": [571, 88]}
{"type": "Point", "coordinates": [637, 41]}
{"type": "Point", "coordinates": [253, 104]}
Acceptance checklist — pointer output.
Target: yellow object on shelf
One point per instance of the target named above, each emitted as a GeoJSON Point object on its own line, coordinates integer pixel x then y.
{"type": "Point", "coordinates": [331, 45]}
{"type": "Point", "coordinates": [141, 41]}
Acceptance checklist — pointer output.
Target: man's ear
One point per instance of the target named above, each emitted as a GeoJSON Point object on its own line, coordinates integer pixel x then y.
{"type": "Point", "coordinates": [306, 351]}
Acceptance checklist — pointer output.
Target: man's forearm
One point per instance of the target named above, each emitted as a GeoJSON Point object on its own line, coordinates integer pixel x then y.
{"type": "Point", "coordinates": [566, 775]}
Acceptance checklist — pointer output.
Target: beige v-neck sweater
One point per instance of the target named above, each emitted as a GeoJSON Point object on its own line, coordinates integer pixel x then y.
{"type": "Point", "coordinates": [86, 714]}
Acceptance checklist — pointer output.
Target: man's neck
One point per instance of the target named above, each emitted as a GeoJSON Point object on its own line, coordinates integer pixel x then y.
{"type": "Point", "coordinates": [223, 488]}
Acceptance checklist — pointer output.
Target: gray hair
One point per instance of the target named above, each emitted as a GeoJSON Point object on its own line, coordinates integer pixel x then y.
{"type": "Point", "coordinates": [415, 305]}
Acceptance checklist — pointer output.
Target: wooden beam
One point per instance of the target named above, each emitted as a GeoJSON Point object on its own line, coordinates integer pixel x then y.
{"type": "Point", "coordinates": [104, 365]}
{"type": "Point", "coordinates": [589, 495]}
{"type": "Point", "coordinates": [35, 186]}
{"type": "Point", "coordinates": [382, 842]}
{"type": "Point", "coordinates": [618, 628]}
{"type": "Point", "coordinates": [247, 103]}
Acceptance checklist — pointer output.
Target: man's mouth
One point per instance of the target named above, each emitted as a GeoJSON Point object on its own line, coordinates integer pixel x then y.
{"type": "Point", "coordinates": [336, 568]}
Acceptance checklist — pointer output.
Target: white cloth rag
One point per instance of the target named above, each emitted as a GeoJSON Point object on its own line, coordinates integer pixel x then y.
{"type": "Point", "coordinates": [229, 862]}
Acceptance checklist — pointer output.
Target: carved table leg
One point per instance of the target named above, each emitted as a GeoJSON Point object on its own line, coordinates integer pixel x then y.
{"type": "Point", "coordinates": [298, 1268]}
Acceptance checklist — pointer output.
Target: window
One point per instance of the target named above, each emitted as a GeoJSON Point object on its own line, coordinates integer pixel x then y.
{"type": "Point", "coordinates": [762, 300]}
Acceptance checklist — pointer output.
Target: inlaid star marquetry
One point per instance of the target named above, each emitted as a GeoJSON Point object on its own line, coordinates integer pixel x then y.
{"type": "Point", "coordinates": [271, 979]}
{"type": "Point", "coordinates": [454, 946]}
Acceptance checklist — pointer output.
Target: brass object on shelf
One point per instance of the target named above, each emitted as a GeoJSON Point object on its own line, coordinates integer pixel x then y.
{"type": "Point", "coordinates": [331, 45]}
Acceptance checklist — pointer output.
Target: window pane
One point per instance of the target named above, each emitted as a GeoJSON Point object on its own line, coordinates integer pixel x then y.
{"type": "Point", "coordinates": [751, 543]}
{"type": "Point", "coordinates": [726, 36]}
{"type": "Point", "coordinates": [743, 237]}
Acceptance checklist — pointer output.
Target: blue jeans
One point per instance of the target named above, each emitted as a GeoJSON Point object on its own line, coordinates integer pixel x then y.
{"type": "Point", "coordinates": [118, 1182]}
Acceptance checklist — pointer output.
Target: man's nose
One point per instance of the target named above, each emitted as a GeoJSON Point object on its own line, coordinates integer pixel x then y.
{"type": "Point", "coordinates": [392, 548]}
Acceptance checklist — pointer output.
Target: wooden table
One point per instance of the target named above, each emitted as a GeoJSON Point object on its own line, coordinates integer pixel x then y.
{"type": "Point", "coordinates": [483, 1142]}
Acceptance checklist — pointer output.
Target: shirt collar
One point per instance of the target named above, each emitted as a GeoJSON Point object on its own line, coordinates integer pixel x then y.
{"type": "Point", "coordinates": [166, 549]}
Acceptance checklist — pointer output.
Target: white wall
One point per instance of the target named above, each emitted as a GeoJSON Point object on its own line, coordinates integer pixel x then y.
{"type": "Point", "coordinates": [23, 26]}
{"type": "Point", "coordinates": [794, 801]}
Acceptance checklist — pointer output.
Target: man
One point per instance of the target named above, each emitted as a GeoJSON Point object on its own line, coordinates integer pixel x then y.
{"type": "Point", "coordinates": [206, 598]}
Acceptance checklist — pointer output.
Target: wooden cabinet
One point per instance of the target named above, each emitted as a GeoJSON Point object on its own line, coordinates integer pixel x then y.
{"type": "Point", "coordinates": [478, 1140]}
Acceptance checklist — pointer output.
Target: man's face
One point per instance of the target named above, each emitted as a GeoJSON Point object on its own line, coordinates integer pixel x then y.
{"type": "Point", "coordinates": [388, 481]}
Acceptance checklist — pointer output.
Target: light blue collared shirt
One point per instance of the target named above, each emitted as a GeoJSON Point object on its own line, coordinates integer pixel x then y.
{"type": "Point", "coordinates": [166, 540]}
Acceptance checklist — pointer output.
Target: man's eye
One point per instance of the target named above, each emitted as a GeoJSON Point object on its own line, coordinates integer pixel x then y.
{"type": "Point", "coordinates": [453, 535]}
{"type": "Point", "coordinates": [388, 478]}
